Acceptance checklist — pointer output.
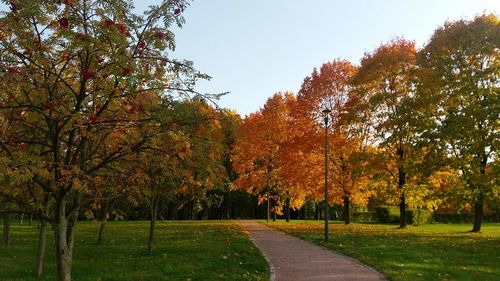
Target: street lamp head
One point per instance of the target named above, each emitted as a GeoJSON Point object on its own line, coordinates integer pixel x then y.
{"type": "Point", "coordinates": [325, 115]}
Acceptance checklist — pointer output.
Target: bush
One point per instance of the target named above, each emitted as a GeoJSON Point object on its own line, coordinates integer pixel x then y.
{"type": "Point", "coordinates": [453, 217]}
{"type": "Point", "coordinates": [310, 209]}
{"type": "Point", "coordinates": [418, 216]}
{"type": "Point", "coordinates": [364, 216]}
{"type": "Point", "coordinates": [387, 214]}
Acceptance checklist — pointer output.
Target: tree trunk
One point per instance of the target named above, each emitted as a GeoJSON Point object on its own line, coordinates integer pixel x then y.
{"type": "Point", "coordinates": [268, 208]}
{"type": "Point", "coordinates": [104, 218]}
{"type": "Point", "coordinates": [478, 213]}
{"type": "Point", "coordinates": [402, 211]}
{"type": "Point", "coordinates": [479, 201]}
{"type": "Point", "coordinates": [21, 219]}
{"type": "Point", "coordinates": [227, 204]}
{"type": "Point", "coordinates": [31, 220]}
{"type": "Point", "coordinates": [6, 230]}
{"type": "Point", "coordinates": [42, 238]}
{"type": "Point", "coordinates": [63, 235]}
{"type": "Point", "coordinates": [346, 209]}
{"type": "Point", "coordinates": [402, 202]}
{"type": "Point", "coordinates": [287, 209]}
{"type": "Point", "coordinates": [152, 224]}
{"type": "Point", "coordinates": [100, 238]}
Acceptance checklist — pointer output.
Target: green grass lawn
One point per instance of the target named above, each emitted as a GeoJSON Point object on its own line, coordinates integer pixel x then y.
{"type": "Point", "coordinates": [427, 252]}
{"type": "Point", "coordinates": [188, 250]}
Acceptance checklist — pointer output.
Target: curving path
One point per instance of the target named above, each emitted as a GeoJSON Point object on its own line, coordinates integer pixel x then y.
{"type": "Point", "coordinates": [293, 259]}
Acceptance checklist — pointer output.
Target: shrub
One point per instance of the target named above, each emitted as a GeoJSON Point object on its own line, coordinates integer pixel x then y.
{"type": "Point", "coordinates": [418, 216]}
{"type": "Point", "coordinates": [387, 214]}
{"type": "Point", "coordinates": [310, 209]}
{"type": "Point", "coordinates": [364, 216]}
{"type": "Point", "coordinates": [453, 217]}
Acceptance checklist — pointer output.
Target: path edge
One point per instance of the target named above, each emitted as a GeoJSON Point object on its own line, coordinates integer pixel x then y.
{"type": "Point", "coordinates": [356, 261]}
{"type": "Point", "coordinates": [324, 247]}
{"type": "Point", "coordinates": [272, 271]}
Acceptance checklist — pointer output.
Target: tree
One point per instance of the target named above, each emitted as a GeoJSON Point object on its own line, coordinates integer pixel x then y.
{"type": "Point", "coordinates": [71, 73]}
{"type": "Point", "coordinates": [385, 81]}
{"type": "Point", "coordinates": [230, 123]}
{"type": "Point", "coordinates": [330, 89]}
{"type": "Point", "coordinates": [461, 78]}
{"type": "Point", "coordinates": [259, 156]}
{"type": "Point", "coordinates": [203, 167]}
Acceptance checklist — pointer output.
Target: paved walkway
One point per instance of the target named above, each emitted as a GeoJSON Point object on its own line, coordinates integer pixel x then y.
{"type": "Point", "coordinates": [293, 259]}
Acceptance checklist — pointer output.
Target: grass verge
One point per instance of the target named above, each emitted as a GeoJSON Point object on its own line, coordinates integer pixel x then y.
{"type": "Point", "coordinates": [187, 250]}
{"type": "Point", "coordinates": [426, 252]}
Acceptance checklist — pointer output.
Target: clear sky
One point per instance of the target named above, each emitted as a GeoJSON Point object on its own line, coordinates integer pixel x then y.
{"type": "Point", "coordinates": [254, 48]}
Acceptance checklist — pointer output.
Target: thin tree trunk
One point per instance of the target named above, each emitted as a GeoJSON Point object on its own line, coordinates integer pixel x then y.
{"type": "Point", "coordinates": [401, 184]}
{"type": "Point", "coordinates": [31, 220]}
{"type": "Point", "coordinates": [21, 219]}
{"type": "Point", "coordinates": [402, 211]}
{"type": "Point", "coordinates": [7, 219]}
{"type": "Point", "coordinates": [229, 203]}
{"type": "Point", "coordinates": [42, 239]}
{"type": "Point", "coordinates": [268, 208]}
{"type": "Point", "coordinates": [287, 206]}
{"type": "Point", "coordinates": [479, 202]}
{"type": "Point", "coordinates": [100, 238]}
{"type": "Point", "coordinates": [154, 213]}
{"type": "Point", "coordinates": [346, 211]}
{"type": "Point", "coordinates": [104, 220]}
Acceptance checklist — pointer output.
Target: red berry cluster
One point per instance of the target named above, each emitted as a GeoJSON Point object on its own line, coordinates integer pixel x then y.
{"type": "Point", "coordinates": [63, 22]}
{"type": "Point", "coordinates": [88, 74]}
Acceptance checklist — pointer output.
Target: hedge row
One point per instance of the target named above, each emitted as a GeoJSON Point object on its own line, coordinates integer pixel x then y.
{"type": "Point", "coordinates": [390, 214]}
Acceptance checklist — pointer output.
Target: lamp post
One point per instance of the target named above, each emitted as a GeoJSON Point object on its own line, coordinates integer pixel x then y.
{"type": "Point", "coordinates": [325, 118]}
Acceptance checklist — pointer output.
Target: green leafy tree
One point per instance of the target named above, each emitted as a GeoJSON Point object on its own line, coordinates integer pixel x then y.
{"type": "Point", "coordinates": [385, 81]}
{"type": "Point", "coordinates": [461, 80]}
{"type": "Point", "coordinates": [230, 123]}
{"type": "Point", "coordinates": [72, 73]}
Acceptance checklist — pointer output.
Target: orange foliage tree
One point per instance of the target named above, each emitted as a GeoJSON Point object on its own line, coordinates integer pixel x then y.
{"type": "Point", "coordinates": [329, 89]}
{"type": "Point", "coordinates": [259, 154]}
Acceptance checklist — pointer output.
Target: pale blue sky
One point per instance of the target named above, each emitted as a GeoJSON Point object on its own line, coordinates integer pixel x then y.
{"type": "Point", "coordinates": [254, 48]}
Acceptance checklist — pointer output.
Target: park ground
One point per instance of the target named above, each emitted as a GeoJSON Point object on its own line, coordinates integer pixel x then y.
{"type": "Point", "coordinates": [425, 252]}
{"type": "Point", "coordinates": [220, 250]}
{"type": "Point", "coordinates": [184, 250]}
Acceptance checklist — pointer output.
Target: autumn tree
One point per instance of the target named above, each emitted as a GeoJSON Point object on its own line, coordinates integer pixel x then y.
{"type": "Point", "coordinates": [71, 72]}
{"type": "Point", "coordinates": [111, 189]}
{"type": "Point", "coordinates": [203, 167]}
{"type": "Point", "coordinates": [156, 174]}
{"type": "Point", "coordinates": [385, 82]}
{"type": "Point", "coordinates": [230, 124]}
{"type": "Point", "coordinates": [461, 78]}
{"type": "Point", "coordinates": [329, 89]}
{"type": "Point", "coordinates": [258, 150]}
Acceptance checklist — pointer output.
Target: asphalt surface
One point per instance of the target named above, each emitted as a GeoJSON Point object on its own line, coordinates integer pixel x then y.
{"type": "Point", "coordinates": [293, 259]}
